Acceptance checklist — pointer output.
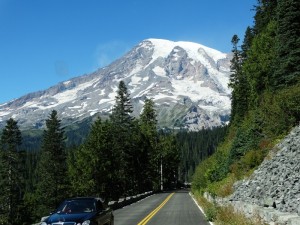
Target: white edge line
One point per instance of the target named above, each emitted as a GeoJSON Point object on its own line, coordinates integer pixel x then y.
{"type": "Point", "coordinates": [192, 196]}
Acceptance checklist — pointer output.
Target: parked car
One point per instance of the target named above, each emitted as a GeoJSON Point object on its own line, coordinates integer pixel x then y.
{"type": "Point", "coordinates": [81, 211]}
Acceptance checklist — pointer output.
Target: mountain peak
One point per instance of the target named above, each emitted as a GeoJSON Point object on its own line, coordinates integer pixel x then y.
{"type": "Point", "coordinates": [164, 47]}
{"type": "Point", "coordinates": [186, 80]}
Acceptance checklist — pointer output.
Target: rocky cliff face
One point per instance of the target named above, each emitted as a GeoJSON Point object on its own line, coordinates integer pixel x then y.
{"type": "Point", "coordinates": [276, 183]}
{"type": "Point", "coordinates": [187, 81]}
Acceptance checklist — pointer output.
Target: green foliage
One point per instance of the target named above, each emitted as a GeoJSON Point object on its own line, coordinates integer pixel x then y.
{"type": "Point", "coordinates": [219, 169]}
{"type": "Point", "coordinates": [265, 12]}
{"type": "Point", "coordinates": [94, 166]}
{"type": "Point", "coordinates": [196, 147]}
{"type": "Point", "coordinates": [170, 158]}
{"type": "Point", "coordinates": [80, 171]}
{"type": "Point", "coordinates": [51, 186]}
{"type": "Point", "coordinates": [222, 188]}
{"type": "Point", "coordinates": [211, 212]}
{"type": "Point", "coordinates": [124, 153]}
{"type": "Point", "coordinates": [280, 111]}
{"type": "Point", "coordinates": [121, 113]}
{"type": "Point", "coordinates": [287, 44]}
{"type": "Point", "coordinates": [224, 215]}
{"type": "Point", "coordinates": [238, 80]}
{"type": "Point", "coordinates": [269, 108]}
{"type": "Point", "coordinates": [12, 184]}
{"type": "Point", "coordinates": [259, 65]}
{"type": "Point", "coordinates": [246, 138]}
{"type": "Point", "coordinates": [200, 177]}
{"type": "Point", "coordinates": [249, 35]}
{"type": "Point", "coordinates": [150, 138]}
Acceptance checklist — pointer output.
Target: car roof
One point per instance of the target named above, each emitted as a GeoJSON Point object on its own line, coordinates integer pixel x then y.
{"type": "Point", "coordinates": [85, 198]}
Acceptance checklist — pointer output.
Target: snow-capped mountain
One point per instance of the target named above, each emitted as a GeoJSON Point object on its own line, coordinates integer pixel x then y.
{"type": "Point", "coordinates": [187, 81]}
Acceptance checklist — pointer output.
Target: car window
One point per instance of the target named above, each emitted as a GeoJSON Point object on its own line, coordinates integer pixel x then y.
{"type": "Point", "coordinates": [75, 206]}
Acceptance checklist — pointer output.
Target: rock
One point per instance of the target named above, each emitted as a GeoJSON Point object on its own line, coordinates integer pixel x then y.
{"type": "Point", "coordinates": [276, 182]}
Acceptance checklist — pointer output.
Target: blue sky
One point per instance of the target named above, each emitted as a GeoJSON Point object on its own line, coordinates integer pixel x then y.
{"type": "Point", "coordinates": [43, 42]}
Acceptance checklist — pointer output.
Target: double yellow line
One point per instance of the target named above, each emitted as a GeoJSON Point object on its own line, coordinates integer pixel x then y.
{"type": "Point", "coordinates": [150, 215]}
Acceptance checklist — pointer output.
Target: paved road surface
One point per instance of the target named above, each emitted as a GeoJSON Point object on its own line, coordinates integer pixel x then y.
{"type": "Point", "coordinates": [162, 209]}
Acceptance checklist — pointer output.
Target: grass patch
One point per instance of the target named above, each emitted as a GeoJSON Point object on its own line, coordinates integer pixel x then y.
{"type": "Point", "coordinates": [227, 216]}
{"type": "Point", "coordinates": [223, 187]}
{"type": "Point", "coordinates": [224, 215]}
{"type": "Point", "coordinates": [210, 209]}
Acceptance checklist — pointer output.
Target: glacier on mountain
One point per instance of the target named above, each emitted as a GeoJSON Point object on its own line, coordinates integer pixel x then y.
{"type": "Point", "coordinates": [187, 81]}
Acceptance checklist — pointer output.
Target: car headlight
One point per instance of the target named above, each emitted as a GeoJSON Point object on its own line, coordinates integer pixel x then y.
{"type": "Point", "coordinates": [87, 222]}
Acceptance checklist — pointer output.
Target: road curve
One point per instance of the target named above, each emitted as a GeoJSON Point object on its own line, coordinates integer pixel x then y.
{"type": "Point", "coordinates": [162, 209]}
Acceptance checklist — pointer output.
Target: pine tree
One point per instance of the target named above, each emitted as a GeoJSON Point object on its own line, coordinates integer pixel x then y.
{"type": "Point", "coordinates": [249, 35]}
{"type": "Point", "coordinates": [122, 122]}
{"type": "Point", "coordinates": [148, 120]}
{"type": "Point", "coordinates": [170, 159]}
{"type": "Point", "coordinates": [51, 187]}
{"type": "Point", "coordinates": [259, 65]}
{"type": "Point", "coordinates": [148, 124]}
{"type": "Point", "coordinates": [141, 155]}
{"type": "Point", "coordinates": [11, 174]}
{"type": "Point", "coordinates": [265, 12]}
{"type": "Point", "coordinates": [94, 166]}
{"type": "Point", "coordinates": [121, 113]}
{"type": "Point", "coordinates": [288, 44]}
{"type": "Point", "coordinates": [238, 82]}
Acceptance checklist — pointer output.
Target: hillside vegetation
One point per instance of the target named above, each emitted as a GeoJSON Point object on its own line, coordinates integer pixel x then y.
{"type": "Point", "coordinates": [265, 84]}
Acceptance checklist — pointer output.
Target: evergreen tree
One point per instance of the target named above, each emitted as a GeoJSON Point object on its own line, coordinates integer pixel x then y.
{"type": "Point", "coordinates": [122, 123]}
{"type": "Point", "coordinates": [197, 146]}
{"type": "Point", "coordinates": [288, 51]}
{"type": "Point", "coordinates": [238, 82]}
{"type": "Point", "coordinates": [51, 187]}
{"type": "Point", "coordinates": [235, 70]}
{"type": "Point", "coordinates": [170, 159]}
{"type": "Point", "coordinates": [148, 124]}
{"type": "Point", "coordinates": [81, 166]}
{"type": "Point", "coordinates": [265, 12]}
{"type": "Point", "coordinates": [260, 63]}
{"type": "Point", "coordinates": [11, 174]}
{"type": "Point", "coordinates": [249, 35]}
{"type": "Point", "coordinates": [94, 166]}
{"type": "Point", "coordinates": [121, 113]}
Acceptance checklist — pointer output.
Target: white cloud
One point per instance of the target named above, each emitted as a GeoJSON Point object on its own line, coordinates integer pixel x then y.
{"type": "Point", "coordinates": [61, 68]}
{"type": "Point", "coordinates": [107, 52]}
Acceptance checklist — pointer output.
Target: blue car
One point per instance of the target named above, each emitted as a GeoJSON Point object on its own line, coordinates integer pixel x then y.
{"type": "Point", "coordinates": [81, 211]}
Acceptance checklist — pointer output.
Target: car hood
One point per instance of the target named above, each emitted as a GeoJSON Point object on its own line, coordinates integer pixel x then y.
{"type": "Point", "coordinates": [64, 217]}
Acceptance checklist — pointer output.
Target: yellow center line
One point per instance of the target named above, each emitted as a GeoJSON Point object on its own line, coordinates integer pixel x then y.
{"type": "Point", "coordinates": [150, 215]}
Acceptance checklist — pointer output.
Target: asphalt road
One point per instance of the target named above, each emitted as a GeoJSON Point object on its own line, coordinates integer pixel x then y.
{"type": "Point", "coordinates": [162, 209]}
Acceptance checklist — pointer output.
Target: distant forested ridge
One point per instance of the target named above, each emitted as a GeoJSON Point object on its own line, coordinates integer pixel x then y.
{"type": "Point", "coordinates": [197, 146]}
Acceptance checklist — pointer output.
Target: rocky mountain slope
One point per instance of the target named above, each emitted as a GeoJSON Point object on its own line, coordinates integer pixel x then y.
{"type": "Point", "coordinates": [187, 81]}
{"type": "Point", "coordinates": [276, 183]}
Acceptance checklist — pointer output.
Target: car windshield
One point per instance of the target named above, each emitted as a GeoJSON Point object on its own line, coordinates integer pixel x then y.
{"type": "Point", "coordinates": [75, 206]}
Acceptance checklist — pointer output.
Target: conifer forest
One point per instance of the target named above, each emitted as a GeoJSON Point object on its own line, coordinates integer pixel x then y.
{"type": "Point", "coordinates": [123, 156]}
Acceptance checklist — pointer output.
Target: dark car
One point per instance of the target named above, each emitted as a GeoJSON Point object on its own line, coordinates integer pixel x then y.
{"type": "Point", "coordinates": [81, 211]}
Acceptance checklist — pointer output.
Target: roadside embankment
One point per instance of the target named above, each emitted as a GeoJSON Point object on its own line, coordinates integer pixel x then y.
{"type": "Point", "coordinates": [272, 192]}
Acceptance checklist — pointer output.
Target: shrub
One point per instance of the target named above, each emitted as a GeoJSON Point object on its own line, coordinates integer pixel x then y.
{"type": "Point", "coordinates": [224, 187]}
{"type": "Point", "coordinates": [224, 215]}
{"type": "Point", "coordinates": [227, 216]}
{"type": "Point", "coordinates": [210, 209]}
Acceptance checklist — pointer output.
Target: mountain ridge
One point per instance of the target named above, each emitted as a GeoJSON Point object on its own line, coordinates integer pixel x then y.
{"type": "Point", "coordinates": [186, 80]}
